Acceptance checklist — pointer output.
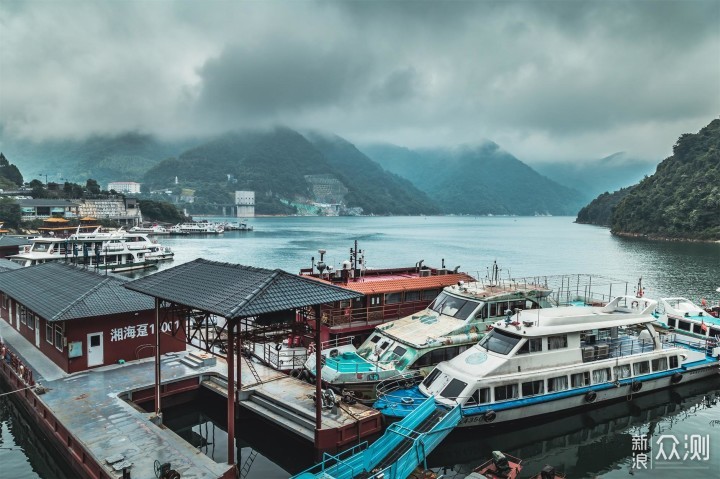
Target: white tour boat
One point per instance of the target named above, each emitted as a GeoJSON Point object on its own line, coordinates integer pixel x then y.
{"type": "Point", "coordinates": [687, 318]}
{"type": "Point", "coordinates": [197, 228]}
{"type": "Point", "coordinates": [551, 360]}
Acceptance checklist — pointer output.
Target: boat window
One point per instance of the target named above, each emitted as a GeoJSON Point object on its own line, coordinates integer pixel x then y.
{"type": "Point", "coordinates": [579, 380]}
{"type": "Point", "coordinates": [480, 396]}
{"type": "Point", "coordinates": [430, 294]}
{"type": "Point", "coordinates": [412, 296]}
{"type": "Point", "coordinates": [697, 329]}
{"type": "Point", "coordinates": [437, 356]}
{"type": "Point", "coordinates": [392, 298]}
{"type": "Point", "coordinates": [532, 388]}
{"type": "Point", "coordinates": [431, 377]}
{"type": "Point", "coordinates": [499, 341]}
{"type": "Point", "coordinates": [559, 383]}
{"type": "Point", "coordinates": [643, 367]}
{"type": "Point", "coordinates": [672, 322]}
{"type": "Point", "coordinates": [507, 391]}
{"type": "Point", "coordinates": [374, 300]}
{"type": "Point", "coordinates": [466, 310]}
{"type": "Point", "coordinates": [453, 389]}
{"type": "Point", "coordinates": [659, 364]}
{"type": "Point", "coordinates": [622, 371]}
{"type": "Point", "coordinates": [532, 345]}
{"type": "Point", "coordinates": [483, 313]}
{"type": "Point", "coordinates": [375, 339]}
{"type": "Point", "coordinates": [423, 361]}
{"type": "Point", "coordinates": [673, 362]}
{"type": "Point", "coordinates": [399, 351]}
{"type": "Point", "coordinates": [384, 345]}
{"type": "Point", "coordinates": [452, 306]}
{"type": "Point", "coordinates": [684, 325]}
{"type": "Point", "coordinates": [601, 375]}
{"type": "Point", "coordinates": [557, 342]}
{"type": "Point", "coordinates": [715, 333]}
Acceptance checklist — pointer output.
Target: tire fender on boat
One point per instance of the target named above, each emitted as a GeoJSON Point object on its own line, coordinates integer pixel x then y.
{"type": "Point", "coordinates": [295, 373]}
{"type": "Point", "coordinates": [636, 386]}
{"type": "Point", "coordinates": [591, 396]}
{"type": "Point", "coordinates": [334, 353]}
{"type": "Point", "coordinates": [676, 378]}
{"type": "Point", "coordinates": [489, 416]}
{"type": "Point", "coordinates": [278, 347]}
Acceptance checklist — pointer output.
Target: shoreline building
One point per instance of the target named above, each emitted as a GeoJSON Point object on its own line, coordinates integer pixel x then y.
{"type": "Point", "coordinates": [245, 204]}
{"type": "Point", "coordinates": [127, 187]}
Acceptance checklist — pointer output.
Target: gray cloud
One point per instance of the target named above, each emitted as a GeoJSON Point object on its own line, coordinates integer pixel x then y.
{"type": "Point", "coordinates": [545, 80]}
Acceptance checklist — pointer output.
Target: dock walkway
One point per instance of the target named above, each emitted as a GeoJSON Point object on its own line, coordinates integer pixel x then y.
{"type": "Point", "coordinates": [91, 407]}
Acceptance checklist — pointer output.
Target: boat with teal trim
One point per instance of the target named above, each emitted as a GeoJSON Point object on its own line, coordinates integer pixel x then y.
{"type": "Point", "coordinates": [685, 317]}
{"type": "Point", "coordinates": [551, 360]}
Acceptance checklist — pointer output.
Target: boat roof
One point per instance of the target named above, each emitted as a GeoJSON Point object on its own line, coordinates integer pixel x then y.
{"type": "Point", "coordinates": [422, 328]}
{"type": "Point", "coordinates": [398, 282]}
{"type": "Point", "coordinates": [490, 291]}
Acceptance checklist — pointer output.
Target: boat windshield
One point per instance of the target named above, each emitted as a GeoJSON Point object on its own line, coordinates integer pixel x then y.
{"type": "Point", "coordinates": [452, 306]}
{"type": "Point", "coordinates": [499, 341]}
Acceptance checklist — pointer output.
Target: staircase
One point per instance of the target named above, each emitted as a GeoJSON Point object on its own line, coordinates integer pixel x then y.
{"type": "Point", "coordinates": [299, 421]}
{"type": "Point", "coordinates": [248, 464]}
{"type": "Point", "coordinates": [198, 359]}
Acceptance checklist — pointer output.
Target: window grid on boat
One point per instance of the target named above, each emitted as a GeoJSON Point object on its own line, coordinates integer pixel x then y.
{"type": "Point", "coordinates": [431, 377]}
{"type": "Point", "coordinates": [622, 371]}
{"type": "Point", "coordinates": [393, 298]}
{"type": "Point", "coordinates": [672, 322]}
{"type": "Point", "coordinates": [684, 325]}
{"type": "Point", "coordinates": [499, 341]}
{"type": "Point", "coordinates": [642, 367]}
{"type": "Point", "coordinates": [660, 364]}
{"type": "Point", "coordinates": [532, 345]}
{"type": "Point", "coordinates": [557, 342]}
{"type": "Point", "coordinates": [412, 296]}
{"type": "Point", "coordinates": [673, 362]}
{"type": "Point", "coordinates": [454, 388]}
{"type": "Point", "coordinates": [533, 388]}
{"type": "Point", "coordinates": [430, 294]}
{"type": "Point", "coordinates": [715, 333]}
{"type": "Point", "coordinates": [601, 375]}
{"type": "Point", "coordinates": [375, 339]}
{"type": "Point", "coordinates": [399, 351]}
{"type": "Point", "coordinates": [579, 380]}
{"type": "Point", "coordinates": [697, 329]}
{"type": "Point", "coordinates": [480, 396]}
{"type": "Point", "coordinates": [506, 391]}
{"type": "Point", "coordinates": [559, 383]}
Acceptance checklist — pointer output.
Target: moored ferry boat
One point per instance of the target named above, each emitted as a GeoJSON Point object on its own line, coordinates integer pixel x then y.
{"type": "Point", "coordinates": [686, 318]}
{"type": "Point", "coordinates": [558, 359]}
{"type": "Point", "coordinates": [455, 320]}
{"type": "Point", "coordinates": [197, 228]}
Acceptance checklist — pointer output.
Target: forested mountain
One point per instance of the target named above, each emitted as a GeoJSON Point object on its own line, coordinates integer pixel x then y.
{"type": "Point", "coordinates": [10, 177]}
{"type": "Point", "coordinates": [680, 201]}
{"type": "Point", "coordinates": [274, 164]}
{"type": "Point", "coordinates": [600, 210]}
{"type": "Point", "coordinates": [105, 158]}
{"type": "Point", "coordinates": [478, 180]}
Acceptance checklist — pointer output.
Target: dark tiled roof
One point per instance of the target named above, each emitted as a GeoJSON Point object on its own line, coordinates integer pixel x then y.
{"type": "Point", "coordinates": [7, 265]}
{"type": "Point", "coordinates": [13, 241]}
{"type": "Point", "coordinates": [43, 202]}
{"type": "Point", "coordinates": [60, 292]}
{"type": "Point", "coordinates": [236, 291]}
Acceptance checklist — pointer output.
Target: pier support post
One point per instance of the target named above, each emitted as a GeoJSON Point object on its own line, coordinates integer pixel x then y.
{"type": "Point", "coordinates": [318, 378]}
{"type": "Point", "coordinates": [231, 392]}
{"type": "Point", "coordinates": [158, 412]}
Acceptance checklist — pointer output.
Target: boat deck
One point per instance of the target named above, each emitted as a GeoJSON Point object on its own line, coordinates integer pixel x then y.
{"type": "Point", "coordinates": [91, 407]}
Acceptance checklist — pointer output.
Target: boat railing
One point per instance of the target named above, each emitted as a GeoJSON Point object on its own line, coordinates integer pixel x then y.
{"type": "Point", "coordinates": [285, 358]}
{"type": "Point", "coordinates": [614, 348]}
{"type": "Point", "coordinates": [404, 380]}
{"type": "Point", "coordinates": [691, 342]}
{"type": "Point", "coordinates": [351, 362]}
{"type": "Point", "coordinates": [336, 342]}
{"type": "Point", "coordinates": [374, 314]}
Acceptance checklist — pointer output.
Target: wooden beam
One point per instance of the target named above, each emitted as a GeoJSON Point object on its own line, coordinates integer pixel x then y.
{"type": "Point", "coordinates": [231, 393]}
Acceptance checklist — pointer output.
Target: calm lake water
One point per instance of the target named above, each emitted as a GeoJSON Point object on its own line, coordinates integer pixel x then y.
{"type": "Point", "coordinates": [591, 444]}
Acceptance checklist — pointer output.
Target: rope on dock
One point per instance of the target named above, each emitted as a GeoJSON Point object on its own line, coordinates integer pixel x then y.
{"type": "Point", "coordinates": [16, 391]}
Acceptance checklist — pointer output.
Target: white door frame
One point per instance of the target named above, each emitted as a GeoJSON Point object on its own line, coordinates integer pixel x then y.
{"type": "Point", "coordinates": [95, 354]}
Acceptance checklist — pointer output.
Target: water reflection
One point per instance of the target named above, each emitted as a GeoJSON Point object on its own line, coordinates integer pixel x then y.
{"type": "Point", "coordinates": [594, 442]}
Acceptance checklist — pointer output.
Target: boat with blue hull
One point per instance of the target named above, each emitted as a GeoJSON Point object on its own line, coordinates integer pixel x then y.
{"type": "Point", "coordinates": [404, 446]}
{"type": "Point", "coordinates": [559, 359]}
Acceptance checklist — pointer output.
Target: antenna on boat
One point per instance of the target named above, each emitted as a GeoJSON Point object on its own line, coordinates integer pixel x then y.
{"type": "Point", "coordinates": [321, 266]}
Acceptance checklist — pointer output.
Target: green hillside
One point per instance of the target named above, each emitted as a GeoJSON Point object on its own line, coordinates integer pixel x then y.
{"type": "Point", "coordinates": [274, 163]}
{"type": "Point", "coordinates": [478, 180]}
{"type": "Point", "coordinates": [10, 177]}
{"type": "Point", "coordinates": [682, 199]}
{"type": "Point", "coordinates": [600, 210]}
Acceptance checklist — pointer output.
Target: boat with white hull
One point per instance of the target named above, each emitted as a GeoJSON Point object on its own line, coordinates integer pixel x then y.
{"type": "Point", "coordinates": [687, 318]}
{"type": "Point", "coordinates": [551, 360]}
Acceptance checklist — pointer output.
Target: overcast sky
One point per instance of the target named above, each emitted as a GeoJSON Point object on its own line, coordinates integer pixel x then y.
{"type": "Point", "coordinates": [545, 80]}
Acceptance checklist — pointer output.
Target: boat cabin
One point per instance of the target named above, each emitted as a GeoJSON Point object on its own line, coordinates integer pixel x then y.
{"type": "Point", "coordinates": [80, 319]}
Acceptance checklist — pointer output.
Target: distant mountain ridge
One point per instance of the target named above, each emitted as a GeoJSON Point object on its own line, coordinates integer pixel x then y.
{"type": "Point", "coordinates": [680, 201]}
{"type": "Point", "coordinates": [478, 180]}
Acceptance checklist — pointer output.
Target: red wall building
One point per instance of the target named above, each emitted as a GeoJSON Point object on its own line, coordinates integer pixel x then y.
{"type": "Point", "coordinates": [80, 319]}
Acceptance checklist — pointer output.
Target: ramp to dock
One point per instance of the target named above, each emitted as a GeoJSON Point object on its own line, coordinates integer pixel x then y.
{"type": "Point", "coordinates": [397, 453]}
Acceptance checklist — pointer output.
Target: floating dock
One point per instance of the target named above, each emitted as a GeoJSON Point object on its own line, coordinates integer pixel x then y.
{"type": "Point", "coordinates": [93, 417]}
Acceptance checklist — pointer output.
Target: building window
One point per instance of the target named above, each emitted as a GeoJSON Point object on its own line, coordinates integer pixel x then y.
{"type": "Point", "coordinates": [31, 321]}
{"type": "Point", "coordinates": [23, 314]}
{"type": "Point", "coordinates": [508, 391]}
{"type": "Point", "coordinates": [5, 301]}
{"type": "Point", "coordinates": [48, 332]}
{"type": "Point", "coordinates": [580, 379]}
{"type": "Point", "coordinates": [557, 342]}
{"type": "Point", "coordinates": [533, 388]}
{"type": "Point", "coordinates": [559, 383]}
{"type": "Point", "coordinates": [374, 300]}
{"type": "Point", "coordinates": [393, 298]}
{"type": "Point", "coordinates": [58, 338]}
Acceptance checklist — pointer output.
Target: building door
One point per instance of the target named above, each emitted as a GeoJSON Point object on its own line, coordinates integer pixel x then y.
{"type": "Point", "coordinates": [95, 349]}
{"type": "Point", "coordinates": [37, 330]}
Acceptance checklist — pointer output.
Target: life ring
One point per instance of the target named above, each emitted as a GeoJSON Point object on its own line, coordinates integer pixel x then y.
{"type": "Point", "coordinates": [676, 378]}
{"type": "Point", "coordinates": [311, 348]}
{"type": "Point", "coordinates": [407, 400]}
{"type": "Point", "coordinates": [295, 373]}
{"type": "Point", "coordinates": [334, 353]}
{"type": "Point", "coordinates": [636, 386]}
{"type": "Point", "coordinates": [278, 347]}
{"type": "Point", "coordinates": [51, 251]}
{"type": "Point", "coordinates": [373, 377]}
{"type": "Point", "coordinates": [634, 304]}
{"type": "Point", "coordinates": [489, 416]}
{"type": "Point", "coordinates": [591, 396]}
